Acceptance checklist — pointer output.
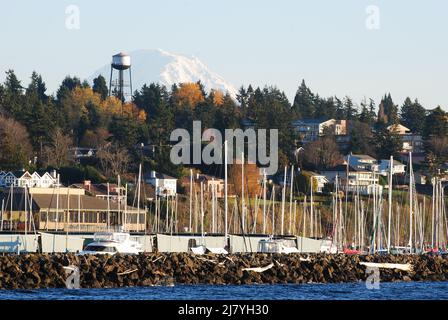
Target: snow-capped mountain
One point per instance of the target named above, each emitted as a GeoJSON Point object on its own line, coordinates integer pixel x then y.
{"type": "Point", "coordinates": [168, 68]}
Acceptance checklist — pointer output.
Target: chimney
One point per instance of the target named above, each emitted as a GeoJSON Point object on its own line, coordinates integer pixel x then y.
{"type": "Point", "coordinates": [87, 184]}
{"type": "Point", "coordinates": [153, 174]}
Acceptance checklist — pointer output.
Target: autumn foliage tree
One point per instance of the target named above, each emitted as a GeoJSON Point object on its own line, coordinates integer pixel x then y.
{"type": "Point", "coordinates": [188, 95]}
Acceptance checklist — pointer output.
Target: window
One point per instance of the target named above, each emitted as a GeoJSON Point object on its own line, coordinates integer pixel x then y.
{"type": "Point", "coordinates": [100, 249]}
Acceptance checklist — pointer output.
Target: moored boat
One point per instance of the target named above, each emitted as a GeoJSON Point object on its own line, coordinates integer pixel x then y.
{"type": "Point", "coordinates": [112, 243]}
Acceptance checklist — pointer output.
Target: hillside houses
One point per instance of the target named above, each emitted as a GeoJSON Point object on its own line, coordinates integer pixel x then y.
{"type": "Point", "coordinates": [354, 179]}
{"type": "Point", "coordinates": [165, 185]}
{"type": "Point", "coordinates": [397, 167]}
{"type": "Point", "coordinates": [24, 178]}
{"type": "Point", "coordinates": [410, 142]}
{"type": "Point", "coordinates": [310, 129]}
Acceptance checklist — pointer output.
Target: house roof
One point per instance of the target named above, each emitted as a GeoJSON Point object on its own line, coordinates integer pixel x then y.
{"type": "Point", "coordinates": [362, 156]}
{"type": "Point", "coordinates": [49, 202]}
{"type": "Point", "coordinates": [396, 162]}
{"type": "Point", "coordinates": [98, 189]}
{"type": "Point", "coordinates": [343, 168]}
{"type": "Point", "coordinates": [159, 176]}
{"type": "Point", "coordinates": [311, 121]}
{"type": "Point", "coordinates": [398, 127]}
{"type": "Point", "coordinates": [206, 177]}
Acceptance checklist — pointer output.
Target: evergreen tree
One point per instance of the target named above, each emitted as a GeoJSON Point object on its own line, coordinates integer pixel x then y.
{"type": "Point", "coordinates": [67, 85]}
{"type": "Point", "coordinates": [13, 94]}
{"type": "Point", "coordinates": [100, 86]}
{"type": "Point", "coordinates": [242, 97]}
{"type": "Point", "coordinates": [349, 109]}
{"type": "Point", "coordinates": [360, 138]}
{"type": "Point", "coordinates": [436, 123]}
{"type": "Point", "coordinates": [388, 111]}
{"type": "Point", "coordinates": [340, 111]}
{"type": "Point", "coordinates": [367, 114]}
{"type": "Point", "coordinates": [37, 88]}
{"type": "Point", "coordinates": [387, 143]}
{"type": "Point", "coordinates": [413, 115]}
{"type": "Point", "coordinates": [304, 103]}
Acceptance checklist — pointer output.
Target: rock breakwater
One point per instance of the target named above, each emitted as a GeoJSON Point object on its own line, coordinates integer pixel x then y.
{"type": "Point", "coordinates": [31, 271]}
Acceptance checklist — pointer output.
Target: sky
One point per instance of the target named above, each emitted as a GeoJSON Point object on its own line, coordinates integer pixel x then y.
{"type": "Point", "coordinates": [359, 48]}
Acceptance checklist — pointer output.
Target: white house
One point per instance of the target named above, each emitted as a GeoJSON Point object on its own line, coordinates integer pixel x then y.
{"type": "Point", "coordinates": [362, 162]}
{"type": "Point", "coordinates": [47, 180]}
{"type": "Point", "coordinates": [357, 180]}
{"type": "Point", "coordinates": [24, 178]}
{"type": "Point", "coordinates": [397, 168]}
{"type": "Point", "coordinates": [164, 185]}
{"type": "Point", "coordinates": [321, 181]}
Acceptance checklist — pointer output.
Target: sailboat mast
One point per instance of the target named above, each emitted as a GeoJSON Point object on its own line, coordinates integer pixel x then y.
{"type": "Point", "coordinates": [139, 182]}
{"type": "Point", "coordinates": [26, 213]}
{"type": "Point", "coordinates": [291, 181]}
{"type": "Point", "coordinates": [3, 210]}
{"type": "Point", "coordinates": [283, 202]}
{"type": "Point", "coordinates": [213, 205]}
{"type": "Point", "coordinates": [191, 199]}
{"type": "Point", "coordinates": [243, 213]}
{"type": "Point", "coordinates": [264, 201]}
{"type": "Point", "coordinates": [312, 222]}
{"type": "Point", "coordinates": [434, 182]}
{"type": "Point", "coordinates": [410, 201]}
{"type": "Point", "coordinates": [57, 205]}
{"type": "Point", "coordinates": [225, 192]}
{"type": "Point", "coordinates": [273, 210]}
{"type": "Point", "coordinates": [390, 202]}
{"type": "Point", "coordinates": [202, 213]}
{"type": "Point", "coordinates": [108, 206]}
{"type": "Point", "coordinates": [10, 213]}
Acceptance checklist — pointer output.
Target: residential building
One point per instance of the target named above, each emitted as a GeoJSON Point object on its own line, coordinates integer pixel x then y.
{"type": "Point", "coordinates": [362, 162]}
{"type": "Point", "coordinates": [398, 129]}
{"type": "Point", "coordinates": [410, 142]}
{"type": "Point", "coordinates": [164, 184]}
{"type": "Point", "coordinates": [354, 179]}
{"type": "Point", "coordinates": [397, 168]}
{"type": "Point", "coordinates": [78, 153]}
{"type": "Point", "coordinates": [7, 179]}
{"type": "Point", "coordinates": [310, 129]}
{"type": "Point", "coordinates": [211, 183]}
{"type": "Point", "coordinates": [24, 178]}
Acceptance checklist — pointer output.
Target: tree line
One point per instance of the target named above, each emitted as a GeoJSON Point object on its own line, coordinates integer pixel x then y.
{"type": "Point", "coordinates": [38, 129]}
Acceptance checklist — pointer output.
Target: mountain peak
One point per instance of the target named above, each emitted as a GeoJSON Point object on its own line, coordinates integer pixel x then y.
{"type": "Point", "coordinates": [160, 66]}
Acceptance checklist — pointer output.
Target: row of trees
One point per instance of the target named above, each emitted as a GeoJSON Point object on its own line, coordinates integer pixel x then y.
{"type": "Point", "coordinates": [46, 126]}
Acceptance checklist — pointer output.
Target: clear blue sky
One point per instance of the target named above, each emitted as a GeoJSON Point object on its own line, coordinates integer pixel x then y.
{"type": "Point", "coordinates": [247, 42]}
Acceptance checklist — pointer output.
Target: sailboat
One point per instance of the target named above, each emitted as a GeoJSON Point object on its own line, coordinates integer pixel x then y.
{"type": "Point", "coordinates": [202, 248]}
{"type": "Point", "coordinates": [273, 245]}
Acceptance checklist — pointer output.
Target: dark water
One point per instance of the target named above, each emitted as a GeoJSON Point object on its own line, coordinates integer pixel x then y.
{"type": "Point", "coordinates": [351, 291]}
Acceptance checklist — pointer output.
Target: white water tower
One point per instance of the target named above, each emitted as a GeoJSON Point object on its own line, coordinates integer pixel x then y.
{"type": "Point", "coordinates": [120, 62]}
